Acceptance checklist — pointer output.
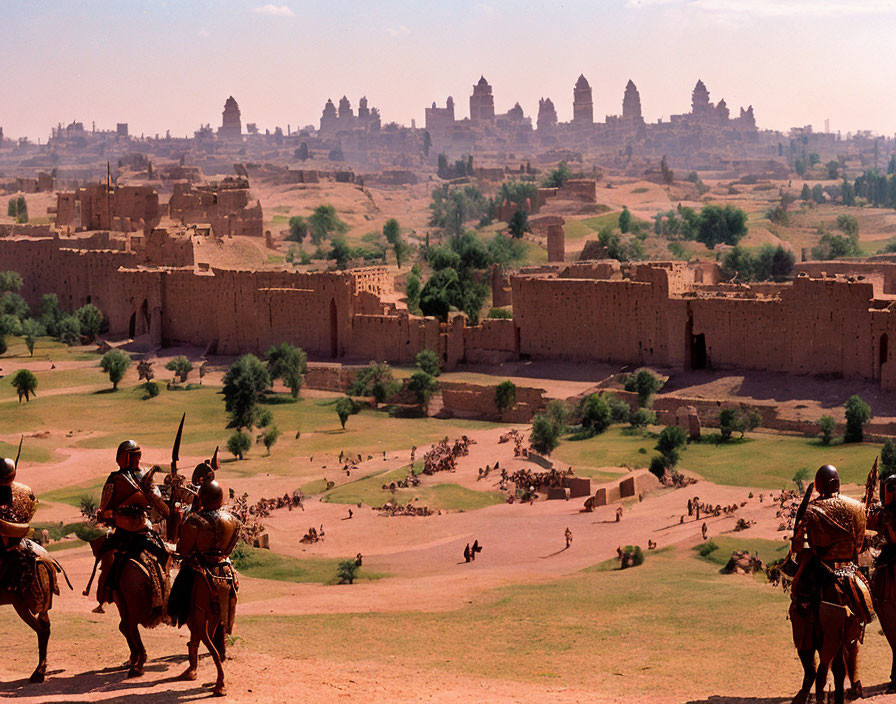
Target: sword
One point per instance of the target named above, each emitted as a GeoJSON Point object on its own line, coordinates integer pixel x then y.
{"type": "Point", "coordinates": [214, 462]}
{"type": "Point", "coordinates": [172, 521]}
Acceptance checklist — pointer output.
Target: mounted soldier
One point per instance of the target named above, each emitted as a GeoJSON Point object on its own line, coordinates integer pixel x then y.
{"type": "Point", "coordinates": [882, 518]}
{"type": "Point", "coordinates": [27, 572]}
{"type": "Point", "coordinates": [205, 591]}
{"type": "Point", "coordinates": [831, 601]}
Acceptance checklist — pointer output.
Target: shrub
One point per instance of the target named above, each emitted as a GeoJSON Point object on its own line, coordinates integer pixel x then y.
{"type": "Point", "coordinates": [671, 439]}
{"type": "Point", "coordinates": [729, 422]}
{"type": "Point", "coordinates": [658, 466]}
{"type": "Point", "coordinates": [270, 436]}
{"type": "Point", "coordinates": [346, 571]}
{"type": "Point", "coordinates": [181, 366]}
{"type": "Point", "coordinates": [345, 407]}
{"type": "Point", "coordinates": [545, 434]}
{"type": "Point", "coordinates": [505, 396]}
{"type": "Point", "coordinates": [151, 388]}
{"type": "Point", "coordinates": [422, 385]}
{"type": "Point", "coordinates": [115, 364]}
{"type": "Point", "coordinates": [888, 459]}
{"type": "Point", "coordinates": [705, 549]}
{"type": "Point", "coordinates": [826, 426]}
{"type": "Point", "coordinates": [645, 383]}
{"type": "Point", "coordinates": [596, 414]}
{"type": "Point", "coordinates": [88, 532]}
{"type": "Point", "coordinates": [376, 380]}
{"type": "Point", "coordinates": [428, 361]}
{"type": "Point", "coordinates": [500, 314]}
{"type": "Point", "coordinates": [857, 414]}
{"type": "Point", "coordinates": [25, 384]}
{"type": "Point", "coordinates": [633, 556]}
{"type": "Point", "coordinates": [619, 409]}
{"type": "Point", "coordinates": [641, 418]}
{"type": "Point", "coordinates": [238, 443]}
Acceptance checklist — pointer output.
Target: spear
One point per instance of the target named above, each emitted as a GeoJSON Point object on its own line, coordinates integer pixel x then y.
{"type": "Point", "coordinates": [173, 519]}
{"type": "Point", "coordinates": [19, 453]}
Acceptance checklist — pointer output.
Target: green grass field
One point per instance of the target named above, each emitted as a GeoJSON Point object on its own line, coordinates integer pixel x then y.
{"type": "Point", "coordinates": [264, 564]}
{"type": "Point", "coordinates": [762, 460]}
{"type": "Point", "coordinates": [768, 550]}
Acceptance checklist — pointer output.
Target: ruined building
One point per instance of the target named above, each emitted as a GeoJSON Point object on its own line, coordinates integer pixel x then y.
{"type": "Point", "coordinates": [482, 103]}
{"type": "Point", "coordinates": [631, 104]}
{"type": "Point", "coordinates": [547, 115]}
{"type": "Point", "coordinates": [103, 207]}
{"type": "Point", "coordinates": [344, 120]}
{"type": "Point", "coordinates": [231, 126]}
{"type": "Point", "coordinates": [582, 105]}
{"type": "Point", "coordinates": [440, 119]}
{"type": "Point", "coordinates": [225, 206]}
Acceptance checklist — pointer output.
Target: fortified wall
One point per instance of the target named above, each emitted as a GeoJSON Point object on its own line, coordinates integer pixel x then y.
{"type": "Point", "coordinates": [659, 314]}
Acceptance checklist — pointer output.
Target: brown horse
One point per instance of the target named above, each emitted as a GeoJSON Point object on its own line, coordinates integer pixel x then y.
{"type": "Point", "coordinates": [205, 625]}
{"type": "Point", "coordinates": [133, 595]}
{"type": "Point", "coordinates": [33, 603]}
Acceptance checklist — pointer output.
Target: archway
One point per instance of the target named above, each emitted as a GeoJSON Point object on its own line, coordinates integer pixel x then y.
{"type": "Point", "coordinates": [132, 326]}
{"type": "Point", "coordinates": [144, 317]}
{"type": "Point", "coordinates": [698, 351]}
{"type": "Point", "coordinates": [334, 329]}
{"type": "Point", "coordinates": [883, 354]}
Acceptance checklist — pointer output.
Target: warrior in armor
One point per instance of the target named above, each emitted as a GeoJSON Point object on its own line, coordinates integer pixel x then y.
{"type": "Point", "coordinates": [831, 601]}
{"type": "Point", "coordinates": [27, 572]}
{"type": "Point", "coordinates": [205, 590]}
{"type": "Point", "coordinates": [128, 497]}
{"type": "Point", "coordinates": [882, 518]}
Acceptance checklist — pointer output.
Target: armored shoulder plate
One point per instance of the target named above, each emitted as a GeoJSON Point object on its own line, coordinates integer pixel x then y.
{"type": "Point", "coordinates": [17, 507]}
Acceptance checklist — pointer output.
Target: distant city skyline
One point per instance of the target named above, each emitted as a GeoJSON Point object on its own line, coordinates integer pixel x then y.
{"type": "Point", "coordinates": [168, 65]}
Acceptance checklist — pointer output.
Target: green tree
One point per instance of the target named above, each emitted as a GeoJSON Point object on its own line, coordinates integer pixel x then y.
{"type": "Point", "coordinates": [11, 282]}
{"type": "Point", "coordinates": [323, 222]}
{"type": "Point", "coordinates": [670, 442]}
{"type": "Point", "coordinates": [857, 414]}
{"type": "Point", "coordinates": [826, 426]}
{"type": "Point", "coordinates": [423, 385]}
{"type": "Point", "coordinates": [545, 435]}
{"type": "Point", "coordinates": [91, 320]}
{"type": "Point", "coordinates": [271, 433]}
{"type": "Point", "coordinates": [518, 225]}
{"type": "Point", "coordinates": [245, 380]}
{"type": "Point", "coordinates": [505, 396]}
{"type": "Point", "coordinates": [376, 380]}
{"type": "Point", "coordinates": [115, 363]}
{"type": "Point", "coordinates": [50, 313]}
{"type": "Point", "coordinates": [730, 422]}
{"type": "Point", "coordinates": [848, 224]}
{"type": "Point", "coordinates": [644, 383]}
{"type": "Point", "coordinates": [347, 571]}
{"type": "Point", "coordinates": [345, 407]}
{"type": "Point", "coordinates": [625, 220]}
{"type": "Point", "coordinates": [619, 409]}
{"type": "Point", "coordinates": [181, 366]}
{"type": "Point", "coordinates": [667, 173]}
{"type": "Point", "coordinates": [887, 459]}
{"type": "Point", "coordinates": [596, 414]}
{"type": "Point", "coordinates": [413, 288]}
{"type": "Point", "coordinates": [340, 252]}
{"type": "Point", "coordinates": [558, 177]}
{"type": "Point", "coordinates": [32, 330]}
{"type": "Point", "coordinates": [833, 168]}
{"type": "Point", "coordinates": [25, 384]}
{"type": "Point", "coordinates": [721, 225]}
{"type": "Point", "coordinates": [298, 228]}
{"type": "Point", "coordinates": [806, 194]}
{"type": "Point", "coordinates": [68, 330]}
{"type": "Point", "coordinates": [238, 444]}
{"type": "Point", "coordinates": [288, 363]}
{"type": "Point", "coordinates": [428, 361]}
{"type": "Point", "coordinates": [641, 418]}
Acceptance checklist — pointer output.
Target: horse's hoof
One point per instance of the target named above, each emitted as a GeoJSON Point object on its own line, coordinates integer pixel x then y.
{"type": "Point", "coordinates": [189, 674]}
{"type": "Point", "coordinates": [855, 692]}
{"type": "Point", "coordinates": [891, 688]}
{"type": "Point", "coordinates": [37, 677]}
{"type": "Point", "coordinates": [800, 698]}
{"type": "Point", "coordinates": [219, 691]}
{"type": "Point", "coordinates": [135, 672]}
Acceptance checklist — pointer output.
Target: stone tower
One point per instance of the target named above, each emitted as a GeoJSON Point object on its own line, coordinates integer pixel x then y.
{"type": "Point", "coordinates": [231, 126]}
{"type": "Point", "coordinates": [482, 102]}
{"type": "Point", "coordinates": [700, 105]}
{"type": "Point", "coordinates": [631, 104]}
{"type": "Point", "coordinates": [328, 120]}
{"type": "Point", "coordinates": [582, 106]}
{"type": "Point", "coordinates": [345, 108]}
{"type": "Point", "coordinates": [547, 114]}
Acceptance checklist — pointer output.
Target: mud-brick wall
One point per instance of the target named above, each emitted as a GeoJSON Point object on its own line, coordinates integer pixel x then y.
{"type": "Point", "coordinates": [393, 338]}
{"type": "Point", "coordinates": [492, 341]}
{"type": "Point", "coordinates": [478, 401]}
{"type": "Point", "coordinates": [607, 321]}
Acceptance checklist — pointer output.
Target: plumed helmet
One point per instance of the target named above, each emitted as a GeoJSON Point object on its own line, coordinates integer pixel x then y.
{"type": "Point", "coordinates": [888, 489]}
{"type": "Point", "coordinates": [211, 495]}
{"type": "Point", "coordinates": [7, 471]}
{"type": "Point", "coordinates": [202, 473]}
{"type": "Point", "coordinates": [827, 480]}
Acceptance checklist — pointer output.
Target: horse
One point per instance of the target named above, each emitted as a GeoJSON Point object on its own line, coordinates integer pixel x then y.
{"type": "Point", "coordinates": [133, 595]}
{"type": "Point", "coordinates": [34, 601]}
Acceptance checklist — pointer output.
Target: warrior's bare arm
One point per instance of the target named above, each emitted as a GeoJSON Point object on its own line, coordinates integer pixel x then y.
{"type": "Point", "coordinates": [152, 493]}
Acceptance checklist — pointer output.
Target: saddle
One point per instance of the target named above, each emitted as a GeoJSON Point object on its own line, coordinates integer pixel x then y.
{"type": "Point", "coordinates": [30, 570]}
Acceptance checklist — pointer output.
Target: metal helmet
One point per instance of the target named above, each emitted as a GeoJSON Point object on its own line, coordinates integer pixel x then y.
{"type": "Point", "coordinates": [827, 480]}
{"type": "Point", "coordinates": [7, 471]}
{"type": "Point", "coordinates": [888, 490]}
{"type": "Point", "coordinates": [128, 448]}
{"type": "Point", "coordinates": [211, 495]}
{"type": "Point", "coordinates": [202, 474]}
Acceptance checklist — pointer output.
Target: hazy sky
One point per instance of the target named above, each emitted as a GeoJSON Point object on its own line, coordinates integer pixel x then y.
{"type": "Point", "coordinates": [170, 65]}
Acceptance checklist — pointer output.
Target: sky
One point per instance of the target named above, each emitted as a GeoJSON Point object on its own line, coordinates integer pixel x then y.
{"type": "Point", "coordinates": [171, 65]}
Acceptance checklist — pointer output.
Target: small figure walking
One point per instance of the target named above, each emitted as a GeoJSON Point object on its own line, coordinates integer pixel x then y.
{"type": "Point", "coordinates": [618, 513]}
{"type": "Point", "coordinates": [467, 553]}
{"type": "Point", "coordinates": [476, 548]}
{"type": "Point", "coordinates": [568, 536]}
{"type": "Point", "coordinates": [704, 531]}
